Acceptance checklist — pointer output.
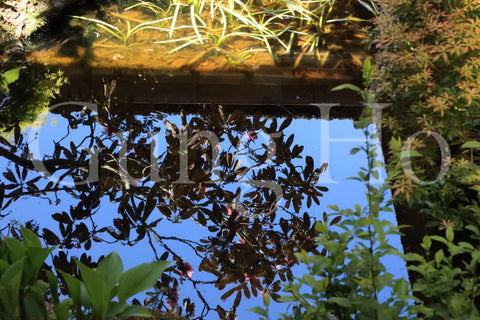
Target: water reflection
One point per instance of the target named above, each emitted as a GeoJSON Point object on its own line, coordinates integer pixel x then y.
{"type": "Point", "coordinates": [127, 178]}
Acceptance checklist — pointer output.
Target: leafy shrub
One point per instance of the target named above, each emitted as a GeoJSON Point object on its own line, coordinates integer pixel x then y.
{"type": "Point", "coordinates": [429, 62]}
{"type": "Point", "coordinates": [23, 295]}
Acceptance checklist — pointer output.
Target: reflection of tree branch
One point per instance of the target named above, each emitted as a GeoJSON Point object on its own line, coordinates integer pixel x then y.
{"type": "Point", "coordinates": [207, 307]}
{"type": "Point", "coordinates": [16, 159]}
{"type": "Point", "coordinates": [188, 242]}
{"type": "Point", "coordinates": [49, 164]}
{"type": "Point", "coordinates": [36, 192]}
{"type": "Point", "coordinates": [152, 246]}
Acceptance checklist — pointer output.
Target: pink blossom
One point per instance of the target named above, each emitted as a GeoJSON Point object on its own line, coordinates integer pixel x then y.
{"type": "Point", "coordinates": [309, 237]}
{"type": "Point", "coordinates": [107, 130]}
{"type": "Point", "coordinates": [251, 135]}
{"type": "Point", "coordinates": [247, 278]}
{"type": "Point", "coordinates": [173, 301]}
{"type": "Point", "coordinates": [188, 272]}
{"type": "Point", "coordinates": [229, 210]}
{"type": "Point", "coordinates": [263, 293]}
{"type": "Point", "coordinates": [242, 241]}
{"type": "Point", "coordinates": [201, 188]}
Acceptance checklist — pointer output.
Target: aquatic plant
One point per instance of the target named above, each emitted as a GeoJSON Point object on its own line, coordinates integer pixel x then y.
{"type": "Point", "coordinates": [124, 35]}
{"type": "Point", "coordinates": [275, 25]}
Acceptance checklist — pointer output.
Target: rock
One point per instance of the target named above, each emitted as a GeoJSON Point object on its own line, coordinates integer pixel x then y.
{"type": "Point", "coordinates": [20, 18]}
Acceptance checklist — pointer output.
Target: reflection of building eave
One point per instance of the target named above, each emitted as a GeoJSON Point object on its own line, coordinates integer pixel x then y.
{"type": "Point", "coordinates": [146, 91]}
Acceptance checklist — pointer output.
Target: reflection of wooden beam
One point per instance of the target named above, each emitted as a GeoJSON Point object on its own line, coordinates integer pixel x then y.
{"type": "Point", "coordinates": [264, 91]}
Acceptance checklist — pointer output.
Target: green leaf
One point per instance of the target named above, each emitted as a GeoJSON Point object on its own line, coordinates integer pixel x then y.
{"type": "Point", "coordinates": [413, 257]}
{"type": "Point", "coordinates": [287, 299]}
{"type": "Point", "coordinates": [16, 249]}
{"type": "Point", "coordinates": [73, 285]}
{"type": "Point", "coordinates": [12, 75]}
{"type": "Point", "coordinates": [37, 257]}
{"type": "Point", "coordinates": [334, 207]}
{"type": "Point", "coordinates": [3, 266]}
{"type": "Point", "coordinates": [135, 311]}
{"type": "Point", "coordinates": [30, 239]}
{"type": "Point", "coordinates": [140, 278]}
{"type": "Point", "coordinates": [4, 84]}
{"type": "Point", "coordinates": [320, 227]}
{"type": "Point", "coordinates": [111, 268]}
{"type": "Point", "coordinates": [473, 144]}
{"type": "Point", "coordinates": [439, 256]}
{"type": "Point", "coordinates": [267, 299]}
{"type": "Point", "coordinates": [449, 234]}
{"type": "Point", "coordinates": [426, 243]}
{"type": "Point", "coordinates": [440, 239]}
{"type": "Point", "coordinates": [343, 302]}
{"type": "Point", "coordinates": [62, 309]}
{"type": "Point", "coordinates": [354, 150]}
{"type": "Point", "coordinates": [34, 307]}
{"type": "Point", "coordinates": [259, 310]}
{"type": "Point", "coordinates": [97, 288]}
{"type": "Point", "coordinates": [10, 282]}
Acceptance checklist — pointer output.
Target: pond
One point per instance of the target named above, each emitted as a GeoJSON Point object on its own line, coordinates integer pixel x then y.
{"type": "Point", "coordinates": [251, 190]}
{"type": "Point", "coordinates": [224, 174]}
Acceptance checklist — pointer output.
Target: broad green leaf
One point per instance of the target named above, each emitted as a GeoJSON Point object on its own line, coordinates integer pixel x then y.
{"type": "Point", "coordinates": [111, 268]}
{"type": "Point", "coordinates": [115, 308]}
{"type": "Point", "coordinates": [3, 266]}
{"type": "Point", "coordinates": [30, 239]}
{"type": "Point", "coordinates": [135, 311]}
{"type": "Point", "coordinates": [16, 249]}
{"type": "Point", "coordinates": [473, 144]}
{"type": "Point", "coordinates": [37, 257]}
{"type": "Point", "coordinates": [35, 304]}
{"type": "Point", "coordinates": [10, 282]}
{"type": "Point", "coordinates": [140, 278]}
{"type": "Point", "coordinates": [97, 288]}
{"type": "Point", "coordinates": [53, 283]}
{"type": "Point", "coordinates": [73, 285]}
{"type": "Point", "coordinates": [62, 309]}
{"type": "Point", "coordinates": [12, 75]}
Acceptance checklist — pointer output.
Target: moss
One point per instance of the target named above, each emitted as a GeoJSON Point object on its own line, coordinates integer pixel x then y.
{"type": "Point", "coordinates": [30, 95]}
